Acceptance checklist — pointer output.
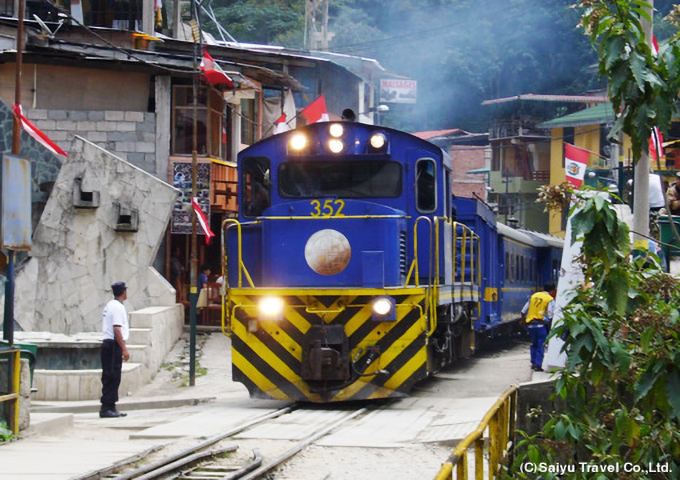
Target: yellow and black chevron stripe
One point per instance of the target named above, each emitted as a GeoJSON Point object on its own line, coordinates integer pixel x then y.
{"type": "Point", "coordinates": [267, 356]}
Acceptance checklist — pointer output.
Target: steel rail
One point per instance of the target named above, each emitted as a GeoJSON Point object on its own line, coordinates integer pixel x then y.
{"type": "Point", "coordinates": [204, 444]}
{"type": "Point", "coordinates": [185, 461]}
{"type": "Point", "coordinates": [300, 446]}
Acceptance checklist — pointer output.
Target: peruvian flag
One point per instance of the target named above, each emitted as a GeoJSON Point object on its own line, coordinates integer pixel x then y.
{"type": "Point", "coordinates": [575, 163]}
{"type": "Point", "coordinates": [656, 145]}
{"type": "Point", "coordinates": [34, 132]}
{"type": "Point", "coordinates": [281, 125]}
{"type": "Point", "coordinates": [202, 220]}
{"type": "Point", "coordinates": [213, 72]}
{"type": "Point", "coordinates": [316, 111]}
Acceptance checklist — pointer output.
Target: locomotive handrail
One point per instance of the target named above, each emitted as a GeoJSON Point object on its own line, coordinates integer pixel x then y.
{"type": "Point", "coordinates": [500, 420]}
{"type": "Point", "coordinates": [226, 225]}
{"type": "Point", "coordinates": [428, 291]}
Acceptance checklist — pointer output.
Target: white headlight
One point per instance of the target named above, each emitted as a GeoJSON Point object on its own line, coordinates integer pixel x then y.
{"type": "Point", "coordinates": [298, 142]}
{"type": "Point", "coordinates": [335, 145]}
{"type": "Point", "coordinates": [378, 140]}
{"type": "Point", "coordinates": [271, 306]}
{"type": "Point", "coordinates": [336, 130]}
{"type": "Point", "coordinates": [382, 306]}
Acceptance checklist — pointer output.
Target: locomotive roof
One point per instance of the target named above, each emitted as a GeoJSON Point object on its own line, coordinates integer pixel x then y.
{"type": "Point", "coordinates": [545, 240]}
{"type": "Point", "coordinates": [530, 237]}
{"type": "Point", "coordinates": [424, 144]}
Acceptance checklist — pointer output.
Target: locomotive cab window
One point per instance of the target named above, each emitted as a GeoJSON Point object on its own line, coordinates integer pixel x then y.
{"type": "Point", "coordinates": [256, 186]}
{"type": "Point", "coordinates": [426, 182]}
{"type": "Point", "coordinates": [361, 179]}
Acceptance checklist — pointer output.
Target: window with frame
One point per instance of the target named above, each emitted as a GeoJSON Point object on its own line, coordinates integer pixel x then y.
{"type": "Point", "coordinates": [249, 117]}
{"type": "Point", "coordinates": [256, 196]}
{"type": "Point", "coordinates": [426, 185]}
{"type": "Point", "coordinates": [209, 127]}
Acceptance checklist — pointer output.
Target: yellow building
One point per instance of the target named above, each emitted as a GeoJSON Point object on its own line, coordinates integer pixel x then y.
{"type": "Point", "coordinates": [588, 129]}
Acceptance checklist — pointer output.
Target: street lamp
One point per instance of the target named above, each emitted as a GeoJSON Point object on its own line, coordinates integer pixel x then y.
{"type": "Point", "coordinates": [348, 114]}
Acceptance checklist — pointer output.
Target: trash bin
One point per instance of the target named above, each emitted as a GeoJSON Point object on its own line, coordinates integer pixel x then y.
{"type": "Point", "coordinates": [667, 237]}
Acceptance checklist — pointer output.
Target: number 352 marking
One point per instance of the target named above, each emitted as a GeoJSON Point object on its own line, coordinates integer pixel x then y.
{"type": "Point", "coordinates": [330, 208]}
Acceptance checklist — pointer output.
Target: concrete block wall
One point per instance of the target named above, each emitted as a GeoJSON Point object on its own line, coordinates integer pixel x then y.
{"type": "Point", "coordinates": [165, 325]}
{"type": "Point", "coordinates": [162, 326]}
{"type": "Point", "coordinates": [129, 135]}
{"type": "Point", "coordinates": [78, 253]}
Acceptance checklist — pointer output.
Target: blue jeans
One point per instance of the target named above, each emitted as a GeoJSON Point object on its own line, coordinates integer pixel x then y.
{"type": "Point", "coordinates": [538, 335]}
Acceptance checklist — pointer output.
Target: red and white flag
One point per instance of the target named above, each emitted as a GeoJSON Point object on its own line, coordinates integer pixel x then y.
{"type": "Point", "coordinates": [202, 220]}
{"type": "Point", "coordinates": [281, 125]}
{"type": "Point", "coordinates": [35, 132]}
{"type": "Point", "coordinates": [213, 72]}
{"type": "Point", "coordinates": [575, 164]}
{"type": "Point", "coordinates": [316, 111]}
{"type": "Point", "coordinates": [655, 145]}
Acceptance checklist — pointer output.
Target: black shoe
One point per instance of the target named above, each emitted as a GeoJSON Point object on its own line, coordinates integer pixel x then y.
{"type": "Point", "coordinates": [111, 413]}
{"type": "Point", "coordinates": [537, 369]}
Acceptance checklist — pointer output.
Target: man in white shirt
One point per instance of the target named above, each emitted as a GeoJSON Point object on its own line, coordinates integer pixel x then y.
{"type": "Point", "coordinates": [116, 330]}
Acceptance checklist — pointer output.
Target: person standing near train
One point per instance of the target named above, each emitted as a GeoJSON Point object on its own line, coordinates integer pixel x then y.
{"type": "Point", "coordinates": [116, 330]}
{"type": "Point", "coordinates": [538, 313]}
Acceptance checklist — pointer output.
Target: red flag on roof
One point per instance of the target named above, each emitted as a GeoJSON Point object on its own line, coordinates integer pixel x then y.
{"type": "Point", "coordinates": [202, 220]}
{"type": "Point", "coordinates": [213, 72]}
{"type": "Point", "coordinates": [281, 125]}
{"type": "Point", "coordinates": [35, 132]}
{"type": "Point", "coordinates": [575, 163]}
{"type": "Point", "coordinates": [316, 111]}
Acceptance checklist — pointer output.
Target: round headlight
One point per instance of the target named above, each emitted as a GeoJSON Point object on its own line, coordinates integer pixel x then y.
{"type": "Point", "coordinates": [298, 142]}
{"type": "Point", "coordinates": [336, 130]}
{"type": "Point", "coordinates": [382, 306]}
{"type": "Point", "coordinates": [378, 140]}
{"type": "Point", "coordinates": [271, 306]}
{"type": "Point", "coordinates": [335, 145]}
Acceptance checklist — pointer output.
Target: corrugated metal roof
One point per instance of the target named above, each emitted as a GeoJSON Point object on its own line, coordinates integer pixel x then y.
{"type": "Point", "coordinates": [549, 98]}
{"type": "Point", "coordinates": [596, 115]}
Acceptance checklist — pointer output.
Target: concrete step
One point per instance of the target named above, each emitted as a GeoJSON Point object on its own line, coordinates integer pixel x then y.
{"type": "Point", "coordinates": [139, 353]}
{"type": "Point", "coordinates": [49, 423]}
{"type": "Point", "coordinates": [72, 385]}
{"type": "Point", "coordinates": [140, 336]}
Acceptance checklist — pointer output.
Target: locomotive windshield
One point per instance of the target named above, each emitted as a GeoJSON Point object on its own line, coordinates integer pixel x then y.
{"type": "Point", "coordinates": [362, 179]}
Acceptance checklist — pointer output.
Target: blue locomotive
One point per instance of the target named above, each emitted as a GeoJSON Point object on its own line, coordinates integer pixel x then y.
{"type": "Point", "coordinates": [352, 272]}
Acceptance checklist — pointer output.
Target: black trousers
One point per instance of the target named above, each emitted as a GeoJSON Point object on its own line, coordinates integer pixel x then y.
{"type": "Point", "coordinates": [112, 365]}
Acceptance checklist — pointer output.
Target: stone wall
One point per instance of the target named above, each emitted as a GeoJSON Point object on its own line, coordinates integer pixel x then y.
{"type": "Point", "coordinates": [44, 164]}
{"type": "Point", "coordinates": [130, 135]}
{"type": "Point", "coordinates": [78, 253]}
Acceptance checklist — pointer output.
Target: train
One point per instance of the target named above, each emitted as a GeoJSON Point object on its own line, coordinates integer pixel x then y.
{"type": "Point", "coordinates": [352, 272]}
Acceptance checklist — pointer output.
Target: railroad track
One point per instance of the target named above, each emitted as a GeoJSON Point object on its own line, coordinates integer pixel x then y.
{"type": "Point", "coordinates": [206, 459]}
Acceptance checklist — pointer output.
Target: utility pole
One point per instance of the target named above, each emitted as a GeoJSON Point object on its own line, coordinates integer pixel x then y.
{"type": "Point", "coordinates": [193, 291]}
{"type": "Point", "coordinates": [316, 13]}
{"type": "Point", "coordinates": [8, 324]}
{"type": "Point", "coordinates": [641, 184]}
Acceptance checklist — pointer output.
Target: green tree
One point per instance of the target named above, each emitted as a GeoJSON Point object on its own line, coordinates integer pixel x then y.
{"type": "Point", "coordinates": [643, 87]}
{"type": "Point", "coordinates": [268, 22]}
{"type": "Point", "coordinates": [621, 383]}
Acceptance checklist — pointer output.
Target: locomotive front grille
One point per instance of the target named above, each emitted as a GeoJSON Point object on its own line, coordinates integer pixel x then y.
{"type": "Point", "coordinates": [402, 254]}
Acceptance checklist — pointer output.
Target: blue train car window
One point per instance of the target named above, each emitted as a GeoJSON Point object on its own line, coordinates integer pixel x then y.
{"type": "Point", "coordinates": [256, 187]}
{"type": "Point", "coordinates": [340, 178]}
{"type": "Point", "coordinates": [426, 181]}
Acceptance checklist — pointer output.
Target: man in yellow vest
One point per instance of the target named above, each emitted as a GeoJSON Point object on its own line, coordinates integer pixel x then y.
{"type": "Point", "coordinates": [537, 315]}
